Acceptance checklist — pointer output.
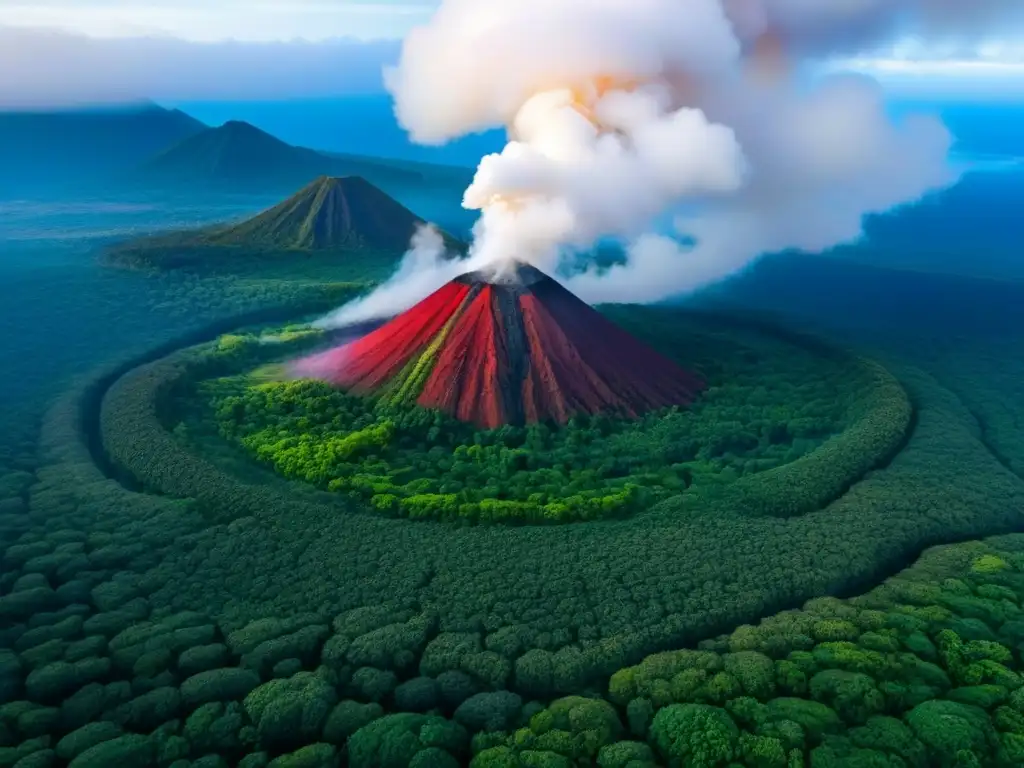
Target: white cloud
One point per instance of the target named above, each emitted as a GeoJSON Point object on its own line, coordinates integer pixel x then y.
{"type": "Point", "coordinates": [219, 20]}
{"type": "Point", "coordinates": [989, 70]}
{"type": "Point", "coordinates": [43, 68]}
{"type": "Point", "coordinates": [974, 80]}
{"type": "Point", "coordinates": [932, 67]}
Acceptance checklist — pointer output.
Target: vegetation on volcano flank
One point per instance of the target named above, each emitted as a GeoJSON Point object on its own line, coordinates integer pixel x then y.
{"type": "Point", "coordinates": [330, 213]}
{"type": "Point", "coordinates": [342, 221]}
{"type": "Point", "coordinates": [768, 405]}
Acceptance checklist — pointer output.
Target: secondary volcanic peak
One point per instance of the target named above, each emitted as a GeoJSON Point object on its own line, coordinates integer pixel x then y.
{"type": "Point", "coordinates": [327, 214]}
{"type": "Point", "coordinates": [509, 348]}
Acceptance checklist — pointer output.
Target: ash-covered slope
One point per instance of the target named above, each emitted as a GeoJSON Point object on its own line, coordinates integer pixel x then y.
{"type": "Point", "coordinates": [514, 349]}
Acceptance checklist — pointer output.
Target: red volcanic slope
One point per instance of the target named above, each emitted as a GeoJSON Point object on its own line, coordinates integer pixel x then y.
{"type": "Point", "coordinates": [380, 356]}
{"type": "Point", "coordinates": [467, 377]}
{"type": "Point", "coordinates": [510, 350]}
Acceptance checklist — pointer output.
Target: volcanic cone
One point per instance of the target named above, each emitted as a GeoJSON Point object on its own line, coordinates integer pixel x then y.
{"type": "Point", "coordinates": [507, 348]}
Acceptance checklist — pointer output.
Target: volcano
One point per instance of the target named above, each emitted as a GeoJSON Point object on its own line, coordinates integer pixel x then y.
{"type": "Point", "coordinates": [332, 217]}
{"type": "Point", "coordinates": [330, 213]}
{"type": "Point", "coordinates": [512, 348]}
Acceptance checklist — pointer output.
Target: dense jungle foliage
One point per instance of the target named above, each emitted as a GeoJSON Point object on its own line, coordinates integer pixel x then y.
{"type": "Point", "coordinates": [925, 670]}
{"type": "Point", "coordinates": [178, 253]}
{"type": "Point", "coordinates": [768, 404]}
{"type": "Point", "coordinates": [580, 593]}
{"type": "Point", "coordinates": [223, 621]}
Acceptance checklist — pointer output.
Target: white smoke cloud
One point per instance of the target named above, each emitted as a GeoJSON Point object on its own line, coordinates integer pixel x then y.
{"type": "Point", "coordinates": [622, 110]}
{"type": "Point", "coordinates": [476, 64]}
{"type": "Point", "coordinates": [822, 160]}
{"type": "Point", "coordinates": [425, 267]}
{"type": "Point", "coordinates": [570, 178]}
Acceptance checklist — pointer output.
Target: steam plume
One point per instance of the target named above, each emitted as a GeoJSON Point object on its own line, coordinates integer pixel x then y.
{"type": "Point", "coordinates": [620, 111]}
{"type": "Point", "coordinates": [424, 268]}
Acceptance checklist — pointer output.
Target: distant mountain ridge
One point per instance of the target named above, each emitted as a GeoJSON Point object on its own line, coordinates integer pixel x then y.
{"type": "Point", "coordinates": [92, 145]}
{"type": "Point", "coordinates": [241, 156]}
{"type": "Point", "coordinates": [143, 149]}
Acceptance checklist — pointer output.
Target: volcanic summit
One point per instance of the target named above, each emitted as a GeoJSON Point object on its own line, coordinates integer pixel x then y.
{"type": "Point", "coordinates": [506, 348]}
